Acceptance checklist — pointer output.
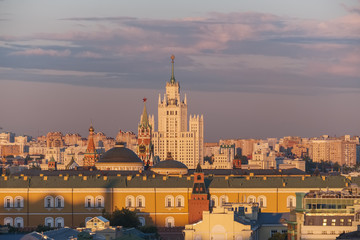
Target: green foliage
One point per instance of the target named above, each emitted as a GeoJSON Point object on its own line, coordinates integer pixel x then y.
{"type": "Point", "coordinates": [84, 236]}
{"type": "Point", "coordinates": [42, 228]}
{"type": "Point", "coordinates": [123, 217]}
{"type": "Point", "coordinates": [149, 229]}
{"type": "Point", "coordinates": [279, 236]}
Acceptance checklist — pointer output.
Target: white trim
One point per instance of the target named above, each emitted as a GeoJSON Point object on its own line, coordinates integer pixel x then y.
{"type": "Point", "coordinates": [86, 203]}
{"type": "Point", "coordinates": [171, 198]}
{"type": "Point", "coordinates": [182, 201]}
{"type": "Point", "coordinates": [132, 201]}
{"type": "Point", "coordinates": [142, 201]}
{"type": "Point", "coordinates": [19, 220]}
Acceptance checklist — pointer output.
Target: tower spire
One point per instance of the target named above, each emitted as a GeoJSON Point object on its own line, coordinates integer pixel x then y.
{"type": "Point", "coordinates": [172, 79]}
{"type": "Point", "coordinates": [144, 117]}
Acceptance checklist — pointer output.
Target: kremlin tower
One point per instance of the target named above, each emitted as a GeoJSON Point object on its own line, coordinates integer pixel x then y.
{"type": "Point", "coordinates": [91, 155]}
{"type": "Point", "coordinates": [199, 201]}
{"type": "Point", "coordinates": [144, 149]}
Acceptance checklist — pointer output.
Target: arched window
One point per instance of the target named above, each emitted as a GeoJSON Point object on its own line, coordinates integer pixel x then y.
{"type": "Point", "coordinates": [59, 222]}
{"type": "Point", "coordinates": [49, 202]}
{"type": "Point", "coordinates": [223, 199]}
{"type": "Point", "coordinates": [99, 201]}
{"type": "Point", "coordinates": [130, 201]}
{"type": "Point", "coordinates": [262, 201]}
{"type": "Point", "coordinates": [19, 222]}
{"type": "Point", "coordinates": [140, 201]}
{"type": "Point", "coordinates": [169, 222]}
{"type": "Point", "coordinates": [59, 201]}
{"type": "Point", "coordinates": [8, 221]}
{"type": "Point", "coordinates": [214, 201]}
{"type": "Point", "coordinates": [19, 202]}
{"type": "Point", "coordinates": [89, 201]}
{"type": "Point", "coordinates": [291, 202]}
{"type": "Point", "coordinates": [251, 199]}
{"type": "Point", "coordinates": [8, 202]}
{"type": "Point", "coordinates": [169, 201]}
{"type": "Point", "coordinates": [49, 221]}
{"type": "Point", "coordinates": [179, 201]}
{"type": "Point", "coordinates": [142, 221]}
{"type": "Point", "coordinates": [198, 177]}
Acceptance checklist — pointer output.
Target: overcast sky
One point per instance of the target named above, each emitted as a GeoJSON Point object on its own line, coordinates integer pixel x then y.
{"type": "Point", "coordinates": [252, 68]}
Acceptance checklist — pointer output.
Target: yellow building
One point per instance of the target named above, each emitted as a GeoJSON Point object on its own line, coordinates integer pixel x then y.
{"type": "Point", "coordinates": [69, 198]}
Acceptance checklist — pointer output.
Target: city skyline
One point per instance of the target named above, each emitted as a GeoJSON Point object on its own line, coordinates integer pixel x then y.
{"type": "Point", "coordinates": [254, 70]}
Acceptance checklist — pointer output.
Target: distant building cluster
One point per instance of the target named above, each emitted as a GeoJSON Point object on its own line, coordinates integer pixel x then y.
{"type": "Point", "coordinates": [233, 189]}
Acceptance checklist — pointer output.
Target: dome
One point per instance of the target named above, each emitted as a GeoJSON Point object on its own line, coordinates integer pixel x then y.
{"type": "Point", "coordinates": [170, 166]}
{"type": "Point", "coordinates": [119, 154]}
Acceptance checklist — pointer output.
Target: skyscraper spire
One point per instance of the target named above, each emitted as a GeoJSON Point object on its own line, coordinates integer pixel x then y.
{"type": "Point", "coordinates": [144, 117]}
{"type": "Point", "coordinates": [172, 79]}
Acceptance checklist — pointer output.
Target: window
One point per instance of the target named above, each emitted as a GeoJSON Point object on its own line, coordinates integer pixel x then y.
{"type": "Point", "coordinates": [19, 222]}
{"type": "Point", "coordinates": [89, 201]}
{"type": "Point", "coordinates": [59, 222]}
{"type": "Point", "coordinates": [59, 201]}
{"type": "Point", "coordinates": [179, 201]}
{"type": "Point", "coordinates": [49, 221]}
{"type": "Point", "coordinates": [251, 199]}
{"type": "Point", "coordinates": [262, 201]}
{"type": "Point", "coordinates": [140, 201]}
{"type": "Point", "coordinates": [142, 221]}
{"type": "Point", "coordinates": [8, 221]}
{"type": "Point", "coordinates": [99, 201]}
{"type": "Point", "coordinates": [333, 222]}
{"type": "Point", "coordinates": [213, 201]}
{"type": "Point", "coordinates": [19, 202]}
{"type": "Point", "coordinates": [129, 201]}
{"type": "Point", "coordinates": [291, 202]}
{"type": "Point", "coordinates": [49, 202]}
{"type": "Point", "coordinates": [341, 222]}
{"type": "Point", "coordinates": [349, 221]}
{"type": "Point", "coordinates": [272, 232]}
{"type": "Point", "coordinates": [8, 202]}
{"type": "Point", "coordinates": [223, 199]}
{"type": "Point", "coordinates": [324, 222]}
{"type": "Point", "coordinates": [169, 222]}
{"type": "Point", "coordinates": [169, 201]}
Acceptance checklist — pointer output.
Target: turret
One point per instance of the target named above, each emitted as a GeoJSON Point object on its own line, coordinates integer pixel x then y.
{"type": "Point", "coordinates": [199, 201]}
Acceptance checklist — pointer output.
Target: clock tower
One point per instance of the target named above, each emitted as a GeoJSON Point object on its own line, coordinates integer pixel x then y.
{"type": "Point", "coordinates": [145, 149]}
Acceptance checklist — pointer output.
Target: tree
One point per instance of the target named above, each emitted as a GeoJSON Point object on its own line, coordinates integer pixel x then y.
{"type": "Point", "coordinates": [84, 236]}
{"type": "Point", "coordinates": [123, 217]}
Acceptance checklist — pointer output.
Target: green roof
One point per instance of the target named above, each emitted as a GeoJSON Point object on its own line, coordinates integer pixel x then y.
{"type": "Point", "coordinates": [152, 181]}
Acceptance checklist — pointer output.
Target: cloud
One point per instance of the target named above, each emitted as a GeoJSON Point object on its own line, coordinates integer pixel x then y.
{"type": "Point", "coordinates": [240, 51]}
{"type": "Point", "coordinates": [42, 52]}
{"type": "Point", "coordinates": [88, 54]}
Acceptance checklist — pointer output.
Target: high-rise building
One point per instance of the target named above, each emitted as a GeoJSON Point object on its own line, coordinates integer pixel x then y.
{"type": "Point", "coordinates": [144, 149]}
{"type": "Point", "coordinates": [173, 135]}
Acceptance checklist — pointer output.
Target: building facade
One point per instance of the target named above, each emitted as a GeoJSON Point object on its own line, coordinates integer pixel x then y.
{"type": "Point", "coordinates": [69, 198]}
{"type": "Point", "coordinates": [186, 143]}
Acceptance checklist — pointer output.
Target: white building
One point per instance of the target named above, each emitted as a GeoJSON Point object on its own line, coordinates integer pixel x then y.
{"type": "Point", "coordinates": [173, 135]}
{"type": "Point", "coordinates": [222, 157]}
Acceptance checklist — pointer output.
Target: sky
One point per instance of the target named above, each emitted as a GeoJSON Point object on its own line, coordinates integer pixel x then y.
{"type": "Point", "coordinates": [254, 69]}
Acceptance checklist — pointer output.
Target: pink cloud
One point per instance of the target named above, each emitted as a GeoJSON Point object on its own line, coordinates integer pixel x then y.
{"type": "Point", "coordinates": [43, 52]}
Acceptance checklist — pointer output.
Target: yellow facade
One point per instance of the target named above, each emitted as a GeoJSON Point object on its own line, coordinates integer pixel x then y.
{"type": "Point", "coordinates": [163, 202]}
